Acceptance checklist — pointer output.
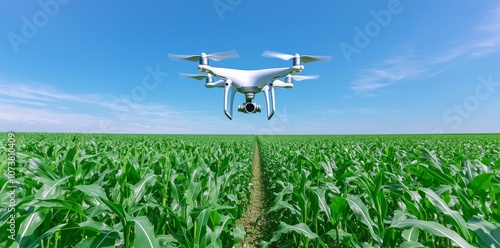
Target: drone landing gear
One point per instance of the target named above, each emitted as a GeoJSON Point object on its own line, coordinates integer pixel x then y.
{"type": "Point", "coordinates": [227, 87]}
{"type": "Point", "coordinates": [248, 107]}
{"type": "Point", "coordinates": [270, 109]}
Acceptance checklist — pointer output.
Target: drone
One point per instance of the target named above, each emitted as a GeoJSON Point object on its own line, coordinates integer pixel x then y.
{"type": "Point", "coordinates": [249, 82]}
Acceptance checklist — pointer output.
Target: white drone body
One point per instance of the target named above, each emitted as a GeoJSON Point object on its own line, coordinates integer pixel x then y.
{"type": "Point", "coordinates": [249, 82]}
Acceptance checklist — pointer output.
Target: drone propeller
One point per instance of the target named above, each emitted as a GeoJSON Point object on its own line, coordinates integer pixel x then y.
{"type": "Point", "coordinates": [212, 56]}
{"type": "Point", "coordinates": [304, 58]}
{"type": "Point", "coordinates": [288, 79]}
{"type": "Point", "coordinates": [300, 77]}
{"type": "Point", "coordinates": [194, 76]}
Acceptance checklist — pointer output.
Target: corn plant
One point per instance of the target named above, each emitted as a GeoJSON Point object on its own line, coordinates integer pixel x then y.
{"type": "Point", "coordinates": [383, 191]}
{"type": "Point", "coordinates": [127, 190]}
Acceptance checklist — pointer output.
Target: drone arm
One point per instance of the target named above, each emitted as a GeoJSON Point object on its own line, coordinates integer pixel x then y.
{"type": "Point", "coordinates": [280, 84]}
{"type": "Point", "coordinates": [227, 87]}
{"type": "Point", "coordinates": [218, 84]}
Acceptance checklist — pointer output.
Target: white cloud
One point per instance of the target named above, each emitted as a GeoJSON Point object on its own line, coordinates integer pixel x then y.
{"type": "Point", "coordinates": [22, 118]}
{"type": "Point", "coordinates": [329, 111]}
{"type": "Point", "coordinates": [395, 70]}
{"type": "Point", "coordinates": [387, 73]}
{"type": "Point", "coordinates": [492, 21]}
{"type": "Point", "coordinates": [42, 93]}
{"type": "Point", "coordinates": [34, 103]}
{"type": "Point", "coordinates": [360, 111]}
{"type": "Point", "coordinates": [373, 111]}
{"type": "Point", "coordinates": [486, 40]}
{"type": "Point", "coordinates": [43, 108]}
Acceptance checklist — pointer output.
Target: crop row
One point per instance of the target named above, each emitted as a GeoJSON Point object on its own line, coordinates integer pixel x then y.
{"type": "Point", "coordinates": [126, 190]}
{"type": "Point", "coordinates": [383, 191]}
{"type": "Point", "coordinates": [188, 191]}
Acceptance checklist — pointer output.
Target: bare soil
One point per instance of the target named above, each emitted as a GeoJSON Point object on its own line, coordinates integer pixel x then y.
{"type": "Point", "coordinates": [255, 233]}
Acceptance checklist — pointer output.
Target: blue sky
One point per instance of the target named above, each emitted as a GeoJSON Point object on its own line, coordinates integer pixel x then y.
{"type": "Point", "coordinates": [397, 66]}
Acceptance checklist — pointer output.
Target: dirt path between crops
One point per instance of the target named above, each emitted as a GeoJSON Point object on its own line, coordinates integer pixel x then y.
{"type": "Point", "coordinates": [256, 208]}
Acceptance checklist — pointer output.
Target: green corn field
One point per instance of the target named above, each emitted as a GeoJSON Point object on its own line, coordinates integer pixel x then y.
{"type": "Point", "coordinates": [103, 190]}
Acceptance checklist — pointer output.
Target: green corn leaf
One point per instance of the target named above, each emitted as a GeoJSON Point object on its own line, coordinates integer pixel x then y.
{"type": "Point", "coordinates": [432, 157]}
{"type": "Point", "coordinates": [361, 212]}
{"type": "Point", "coordinates": [279, 203]}
{"type": "Point", "coordinates": [38, 167]}
{"type": "Point", "coordinates": [398, 216]}
{"type": "Point", "coordinates": [59, 204]}
{"type": "Point", "coordinates": [337, 206]}
{"type": "Point", "coordinates": [70, 154]}
{"type": "Point", "coordinates": [95, 225]}
{"type": "Point", "coordinates": [488, 233]}
{"type": "Point", "coordinates": [215, 236]}
{"type": "Point", "coordinates": [144, 233]}
{"type": "Point", "coordinates": [341, 234]}
{"type": "Point", "coordinates": [97, 210]}
{"type": "Point", "coordinates": [480, 184]}
{"type": "Point", "coordinates": [118, 210]}
{"type": "Point", "coordinates": [238, 233]}
{"type": "Point", "coordinates": [92, 190]}
{"type": "Point", "coordinates": [410, 234]}
{"type": "Point", "coordinates": [300, 228]}
{"type": "Point", "coordinates": [99, 241]}
{"type": "Point", "coordinates": [141, 187]}
{"type": "Point", "coordinates": [437, 173]}
{"type": "Point", "coordinates": [328, 169]}
{"type": "Point", "coordinates": [192, 193]}
{"type": "Point", "coordinates": [50, 150]}
{"type": "Point", "coordinates": [28, 227]}
{"type": "Point", "coordinates": [433, 228]}
{"type": "Point", "coordinates": [88, 225]}
{"type": "Point", "coordinates": [320, 194]}
{"type": "Point", "coordinates": [167, 241]}
{"type": "Point", "coordinates": [411, 244]}
{"type": "Point", "coordinates": [46, 234]}
{"type": "Point", "coordinates": [458, 220]}
{"type": "Point", "coordinates": [50, 189]}
{"type": "Point", "coordinates": [201, 225]}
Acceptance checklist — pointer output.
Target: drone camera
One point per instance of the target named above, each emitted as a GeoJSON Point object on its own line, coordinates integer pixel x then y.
{"type": "Point", "coordinates": [249, 107]}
